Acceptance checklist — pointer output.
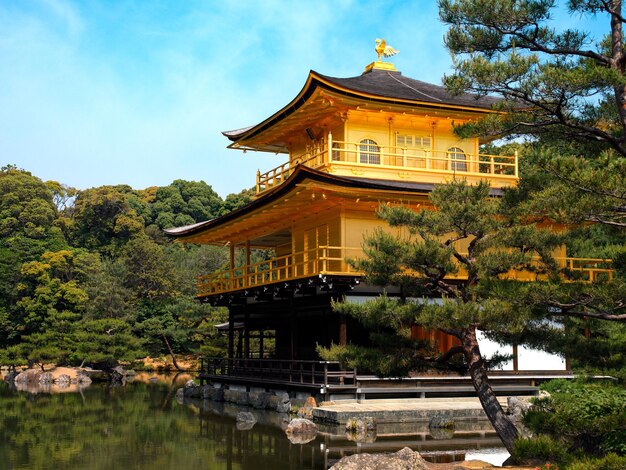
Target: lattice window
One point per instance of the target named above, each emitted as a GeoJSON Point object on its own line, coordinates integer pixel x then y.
{"type": "Point", "coordinates": [412, 141]}
{"type": "Point", "coordinates": [369, 152]}
{"type": "Point", "coordinates": [458, 159]}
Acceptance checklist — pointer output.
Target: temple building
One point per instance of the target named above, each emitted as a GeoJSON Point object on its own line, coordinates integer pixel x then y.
{"type": "Point", "coordinates": [349, 144]}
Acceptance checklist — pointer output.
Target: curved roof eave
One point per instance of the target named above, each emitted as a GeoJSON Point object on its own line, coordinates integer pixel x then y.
{"type": "Point", "coordinates": [301, 173]}
{"type": "Point", "coordinates": [316, 79]}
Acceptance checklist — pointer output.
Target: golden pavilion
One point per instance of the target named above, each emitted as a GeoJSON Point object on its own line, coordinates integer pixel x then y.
{"type": "Point", "coordinates": [349, 144]}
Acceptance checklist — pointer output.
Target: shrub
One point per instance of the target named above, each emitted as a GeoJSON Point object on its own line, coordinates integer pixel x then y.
{"type": "Point", "coordinates": [541, 448]}
{"type": "Point", "coordinates": [583, 415]}
{"type": "Point", "coordinates": [608, 462]}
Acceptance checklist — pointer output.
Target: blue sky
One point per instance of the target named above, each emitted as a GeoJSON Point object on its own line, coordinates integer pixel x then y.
{"type": "Point", "coordinates": [138, 92]}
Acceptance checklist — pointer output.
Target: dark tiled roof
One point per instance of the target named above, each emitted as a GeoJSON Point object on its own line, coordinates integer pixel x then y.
{"type": "Point", "coordinates": [380, 85]}
{"type": "Point", "coordinates": [395, 85]}
{"type": "Point", "coordinates": [236, 132]}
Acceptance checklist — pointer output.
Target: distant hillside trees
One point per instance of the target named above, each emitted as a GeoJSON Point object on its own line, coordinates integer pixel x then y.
{"type": "Point", "coordinates": [87, 276]}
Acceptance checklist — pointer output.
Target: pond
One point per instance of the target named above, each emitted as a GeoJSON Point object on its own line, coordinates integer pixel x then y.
{"type": "Point", "coordinates": [142, 426]}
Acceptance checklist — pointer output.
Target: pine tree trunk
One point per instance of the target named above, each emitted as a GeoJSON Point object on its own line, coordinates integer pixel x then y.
{"type": "Point", "coordinates": [506, 430]}
{"type": "Point", "coordinates": [169, 348]}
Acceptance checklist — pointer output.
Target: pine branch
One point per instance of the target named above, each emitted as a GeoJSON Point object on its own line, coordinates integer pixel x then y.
{"type": "Point", "coordinates": [599, 315]}
{"type": "Point", "coordinates": [445, 357]}
{"type": "Point", "coordinates": [580, 309]}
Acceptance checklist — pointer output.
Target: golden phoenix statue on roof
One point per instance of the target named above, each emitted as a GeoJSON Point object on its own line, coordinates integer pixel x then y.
{"type": "Point", "coordinates": [383, 50]}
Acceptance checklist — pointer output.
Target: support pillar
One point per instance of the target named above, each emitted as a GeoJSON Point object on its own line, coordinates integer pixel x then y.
{"type": "Point", "coordinates": [261, 352]}
{"type": "Point", "coordinates": [292, 333]}
{"type": "Point", "coordinates": [231, 335]}
{"type": "Point", "coordinates": [246, 335]}
{"type": "Point", "coordinates": [343, 331]}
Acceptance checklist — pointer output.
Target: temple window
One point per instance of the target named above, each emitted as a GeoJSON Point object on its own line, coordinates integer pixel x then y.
{"type": "Point", "coordinates": [457, 159]}
{"type": "Point", "coordinates": [412, 141]}
{"type": "Point", "coordinates": [369, 152]}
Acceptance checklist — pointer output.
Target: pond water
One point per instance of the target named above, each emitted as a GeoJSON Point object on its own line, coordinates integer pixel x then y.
{"type": "Point", "coordinates": [142, 426]}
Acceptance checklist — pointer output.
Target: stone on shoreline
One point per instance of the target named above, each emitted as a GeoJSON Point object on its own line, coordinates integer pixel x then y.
{"type": "Point", "coordinates": [404, 459]}
{"type": "Point", "coordinates": [306, 411]}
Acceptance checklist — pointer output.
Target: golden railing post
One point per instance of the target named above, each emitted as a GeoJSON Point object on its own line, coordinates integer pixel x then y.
{"type": "Point", "coordinates": [246, 270]}
{"type": "Point", "coordinates": [258, 181]}
{"type": "Point", "coordinates": [330, 147]}
{"type": "Point", "coordinates": [516, 163]}
{"type": "Point", "coordinates": [404, 157]}
{"type": "Point", "coordinates": [493, 169]}
{"type": "Point", "coordinates": [232, 265]}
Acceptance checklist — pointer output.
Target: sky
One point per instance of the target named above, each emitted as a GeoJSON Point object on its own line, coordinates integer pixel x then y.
{"type": "Point", "coordinates": [138, 92]}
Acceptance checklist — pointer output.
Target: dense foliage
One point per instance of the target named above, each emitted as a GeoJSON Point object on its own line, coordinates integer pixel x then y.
{"type": "Point", "coordinates": [583, 415]}
{"type": "Point", "coordinates": [87, 276]}
{"type": "Point", "coordinates": [580, 424]}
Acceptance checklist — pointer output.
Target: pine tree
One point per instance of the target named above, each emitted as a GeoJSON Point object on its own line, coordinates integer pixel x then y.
{"type": "Point", "coordinates": [449, 264]}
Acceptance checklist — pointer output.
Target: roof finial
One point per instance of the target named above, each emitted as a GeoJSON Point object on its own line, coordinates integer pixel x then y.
{"type": "Point", "coordinates": [383, 50]}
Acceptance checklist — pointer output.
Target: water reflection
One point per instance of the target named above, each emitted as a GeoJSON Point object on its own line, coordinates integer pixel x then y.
{"type": "Point", "coordinates": [142, 426]}
{"type": "Point", "coordinates": [265, 442]}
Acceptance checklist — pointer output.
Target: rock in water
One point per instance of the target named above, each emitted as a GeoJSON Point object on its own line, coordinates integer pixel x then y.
{"type": "Point", "coordinates": [63, 380]}
{"type": "Point", "coordinates": [192, 390]}
{"type": "Point", "coordinates": [46, 378]}
{"type": "Point", "coordinates": [118, 376]}
{"type": "Point", "coordinates": [301, 426]}
{"type": "Point", "coordinates": [441, 427]}
{"type": "Point", "coordinates": [301, 431]}
{"type": "Point", "coordinates": [404, 459]}
{"type": "Point", "coordinates": [82, 379]}
{"type": "Point", "coordinates": [245, 421]}
{"type": "Point", "coordinates": [361, 429]}
{"type": "Point", "coordinates": [246, 417]}
{"type": "Point", "coordinates": [10, 377]}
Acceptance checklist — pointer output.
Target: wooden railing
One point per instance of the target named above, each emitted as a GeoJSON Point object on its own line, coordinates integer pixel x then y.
{"type": "Point", "coordinates": [412, 163]}
{"type": "Point", "coordinates": [321, 373]}
{"type": "Point", "coordinates": [332, 260]}
{"type": "Point", "coordinates": [319, 260]}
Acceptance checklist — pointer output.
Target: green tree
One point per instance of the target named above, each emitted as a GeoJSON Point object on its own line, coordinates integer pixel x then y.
{"type": "Point", "coordinates": [566, 91]}
{"type": "Point", "coordinates": [559, 86]}
{"type": "Point", "coordinates": [107, 217]}
{"type": "Point", "coordinates": [236, 200]}
{"type": "Point", "coordinates": [556, 83]}
{"type": "Point", "coordinates": [27, 216]}
{"type": "Point", "coordinates": [148, 271]}
{"type": "Point", "coordinates": [430, 263]}
{"type": "Point", "coordinates": [185, 202]}
{"type": "Point", "coordinates": [51, 304]}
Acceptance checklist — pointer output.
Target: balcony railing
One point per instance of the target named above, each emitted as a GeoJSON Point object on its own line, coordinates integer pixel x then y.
{"type": "Point", "coordinates": [422, 165]}
{"type": "Point", "coordinates": [324, 374]}
{"type": "Point", "coordinates": [306, 263]}
{"type": "Point", "coordinates": [332, 260]}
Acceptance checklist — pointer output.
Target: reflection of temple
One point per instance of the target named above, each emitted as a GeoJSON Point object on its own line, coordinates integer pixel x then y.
{"type": "Point", "coordinates": [350, 145]}
{"type": "Point", "coordinates": [265, 445]}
